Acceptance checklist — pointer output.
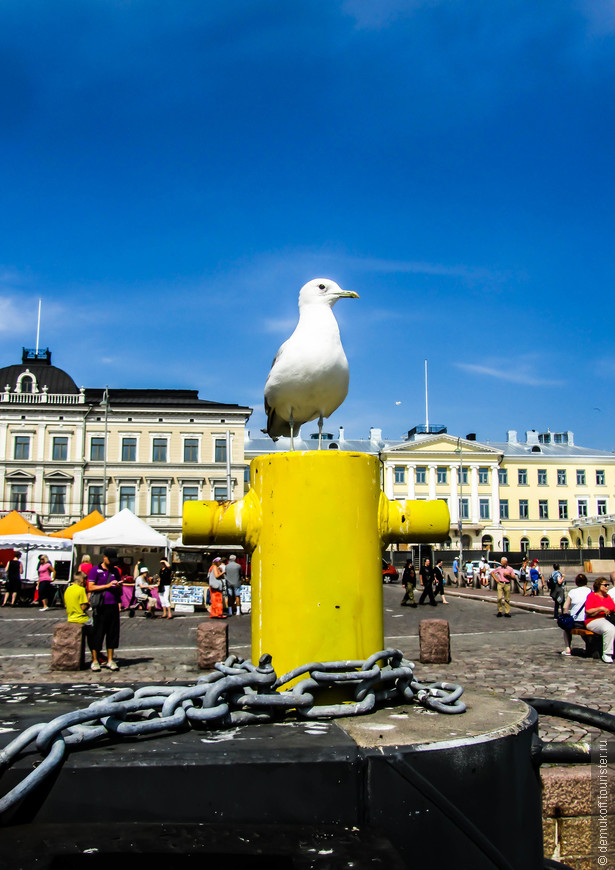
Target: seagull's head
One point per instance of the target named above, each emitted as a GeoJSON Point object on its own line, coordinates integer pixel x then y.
{"type": "Point", "coordinates": [323, 291]}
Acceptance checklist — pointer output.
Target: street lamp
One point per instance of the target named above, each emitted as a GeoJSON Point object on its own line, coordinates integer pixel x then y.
{"type": "Point", "coordinates": [459, 450]}
{"type": "Point", "coordinates": [105, 404]}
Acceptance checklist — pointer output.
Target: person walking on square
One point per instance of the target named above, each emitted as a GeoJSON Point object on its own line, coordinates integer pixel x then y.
{"type": "Point", "coordinates": [14, 570]}
{"type": "Point", "coordinates": [456, 570]}
{"type": "Point", "coordinates": [438, 573]}
{"type": "Point", "coordinates": [524, 574]}
{"type": "Point", "coordinates": [503, 577]}
{"type": "Point", "coordinates": [164, 588]}
{"type": "Point", "coordinates": [408, 580]}
{"type": "Point", "coordinates": [557, 588]}
{"type": "Point", "coordinates": [427, 578]}
{"type": "Point", "coordinates": [46, 576]}
{"type": "Point", "coordinates": [216, 586]}
{"type": "Point", "coordinates": [105, 578]}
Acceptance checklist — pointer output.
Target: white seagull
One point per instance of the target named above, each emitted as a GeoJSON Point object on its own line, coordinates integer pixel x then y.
{"type": "Point", "coordinates": [309, 375]}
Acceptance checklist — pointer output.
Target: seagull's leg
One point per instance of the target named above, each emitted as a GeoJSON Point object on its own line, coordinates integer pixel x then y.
{"type": "Point", "coordinates": [320, 432]}
{"type": "Point", "coordinates": [292, 431]}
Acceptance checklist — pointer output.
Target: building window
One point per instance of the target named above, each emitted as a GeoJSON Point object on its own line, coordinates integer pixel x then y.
{"type": "Point", "coordinates": [543, 509]}
{"type": "Point", "coordinates": [580, 477]}
{"type": "Point", "coordinates": [483, 508]}
{"type": "Point", "coordinates": [97, 449]}
{"type": "Point", "coordinates": [601, 507]}
{"type": "Point", "coordinates": [27, 384]}
{"type": "Point", "coordinates": [464, 508]}
{"type": "Point", "coordinates": [504, 509]}
{"type": "Point", "coordinates": [159, 450]}
{"type": "Point", "coordinates": [564, 543]}
{"type": "Point", "coordinates": [129, 449]}
{"type": "Point", "coordinates": [562, 507]}
{"type": "Point", "coordinates": [542, 477]}
{"type": "Point", "coordinates": [220, 453]}
{"type": "Point", "coordinates": [158, 501]}
{"type": "Point", "coordinates": [525, 545]}
{"type": "Point", "coordinates": [220, 492]}
{"type": "Point", "coordinates": [544, 544]}
{"type": "Point", "coordinates": [503, 476]}
{"type": "Point", "coordinates": [400, 474]}
{"type": "Point", "coordinates": [246, 474]}
{"type": "Point", "coordinates": [95, 498]}
{"type": "Point", "coordinates": [506, 545]}
{"type": "Point", "coordinates": [463, 477]}
{"type": "Point", "coordinates": [191, 449]}
{"type": "Point", "coordinates": [421, 474]}
{"type": "Point", "coordinates": [22, 447]}
{"type": "Point", "coordinates": [600, 478]}
{"type": "Point", "coordinates": [582, 508]}
{"type": "Point", "coordinates": [19, 494]}
{"type": "Point", "coordinates": [523, 509]}
{"type": "Point", "coordinates": [522, 476]}
{"type": "Point", "coordinates": [127, 498]}
{"type": "Point", "coordinates": [60, 450]}
{"type": "Point", "coordinates": [483, 476]}
{"type": "Point", "coordinates": [57, 500]}
{"type": "Point", "coordinates": [561, 477]}
{"type": "Point", "coordinates": [441, 474]}
{"type": "Point", "coordinates": [190, 493]}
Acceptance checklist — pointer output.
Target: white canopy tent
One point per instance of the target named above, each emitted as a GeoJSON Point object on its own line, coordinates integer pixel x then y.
{"type": "Point", "coordinates": [125, 529]}
{"type": "Point", "coordinates": [54, 548]}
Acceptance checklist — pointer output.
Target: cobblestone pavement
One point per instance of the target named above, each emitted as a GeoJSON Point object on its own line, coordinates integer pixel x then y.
{"type": "Point", "coordinates": [514, 657]}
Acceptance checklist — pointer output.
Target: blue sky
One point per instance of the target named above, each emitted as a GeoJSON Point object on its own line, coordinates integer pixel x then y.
{"type": "Point", "coordinates": [172, 173]}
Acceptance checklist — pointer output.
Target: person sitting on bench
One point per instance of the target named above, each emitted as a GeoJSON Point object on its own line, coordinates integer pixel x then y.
{"type": "Point", "coordinates": [575, 606]}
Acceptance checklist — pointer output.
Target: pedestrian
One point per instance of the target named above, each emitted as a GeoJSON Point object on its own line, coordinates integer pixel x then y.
{"type": "Point", "coordinates": [524, 574]}
{"type": "Point", "coordinates": [233, 585]}
{"type": "Point", "coordinates": [574, 606]}
{"type": "Point", "coordinates": [86, 564]}
{"type": "Point", "coordinates": [164, 588]}
{"type": "Point", "coordinates": [469, 575]}
{"type": "Point", "coordinates": [215, 578]}
{"type": "Point", "coordinates": [482, 572]}
{"type": "Point", "coordinates": [438, 573]}
{"type": "Point", "coordinates": [503, 577]}
{"type": "Point", "coordinates": [408, 580]}
{"type": "Point", "coordinates": [105, 579]}
{"type": "Point", "coordinates": [600, 616]}
{"type": "Point", "coordinates": [77, 605]}
{"type": "Point", "coordinates": [456, 570]}
{"type": "Point", "coordinates": [46, 576]}
{"type": "Point", "coordinates": [427, 578]}
{"type": "Point", "coordinates": [535, 577]}
{"type": "Point", "coordinates": [14, 570]}
{"type": "Point", "coordinates": [144, 584]}
{"type": "Point", "coordinates": [557, 589]}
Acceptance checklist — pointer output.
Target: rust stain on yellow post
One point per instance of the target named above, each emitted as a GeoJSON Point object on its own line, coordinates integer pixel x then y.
{"type": "Point", "coordinates": [316, 524]}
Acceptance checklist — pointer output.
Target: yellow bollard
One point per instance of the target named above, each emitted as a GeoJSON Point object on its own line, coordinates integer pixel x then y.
{"type": "Point", "coordinates": [316, 524]}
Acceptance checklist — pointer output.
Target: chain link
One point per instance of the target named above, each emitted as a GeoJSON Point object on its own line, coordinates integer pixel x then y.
{"type": "Point", "coordinates": [236, 692]}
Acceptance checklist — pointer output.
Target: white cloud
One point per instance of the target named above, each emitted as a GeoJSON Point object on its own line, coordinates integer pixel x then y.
{"type": "Point", "coordinates": [520, 374]}
{"type": "Point", "coordinates": [14, 318]}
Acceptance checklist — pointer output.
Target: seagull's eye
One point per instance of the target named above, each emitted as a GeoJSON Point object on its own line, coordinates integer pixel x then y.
{"type": "Point", "coordinates": [321, 287]}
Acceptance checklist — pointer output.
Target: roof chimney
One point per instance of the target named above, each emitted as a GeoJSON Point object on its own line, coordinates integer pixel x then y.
{"type": "Point", "coordinates": [375, 435]}
{"type": "Point", "coordinates": [511, 436]}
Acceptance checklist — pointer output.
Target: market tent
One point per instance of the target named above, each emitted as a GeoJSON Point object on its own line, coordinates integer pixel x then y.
{"type": "Point", "coordinates": [56, 549]}
{"type": "Point", "coordinates": [125, 529]}
{"type": "Point", "coordinates": [93, 519]}
{"type": "Point", "coordinates": [14, 524]}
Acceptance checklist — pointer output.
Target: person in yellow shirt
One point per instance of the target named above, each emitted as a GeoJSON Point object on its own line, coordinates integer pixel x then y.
{"type": "Point", "coordinates": [76, 600]}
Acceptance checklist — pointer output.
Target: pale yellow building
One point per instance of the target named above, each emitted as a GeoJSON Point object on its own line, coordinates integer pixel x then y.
{"type": "Point", "coordinates": [154, 449]}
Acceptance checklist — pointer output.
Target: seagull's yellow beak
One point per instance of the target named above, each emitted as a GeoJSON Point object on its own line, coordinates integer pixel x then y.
{"type": "Point", "coordinates": [350, 294]}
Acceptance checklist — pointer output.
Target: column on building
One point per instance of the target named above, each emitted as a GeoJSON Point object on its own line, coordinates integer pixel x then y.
{"type": "Point", "coordinates": [411, 475]}
{"type": "Point", "coordinates": [432, 481]}
{"type": "Point", "coordinates": [454, 499]}
{"type": "Point", "coordinates": [389, 481]}
{"type": "Point", "coordinates": [474, 506]}
{"type": "Point", "coordinates": [495, 496]}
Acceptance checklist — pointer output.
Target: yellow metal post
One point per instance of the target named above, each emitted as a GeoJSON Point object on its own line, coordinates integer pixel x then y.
{"type": "Point", "coordinates": [316, 524]}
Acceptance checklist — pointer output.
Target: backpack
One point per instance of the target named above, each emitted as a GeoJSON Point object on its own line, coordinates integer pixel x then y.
{"type": "Point", "coordinates": [552, 581]}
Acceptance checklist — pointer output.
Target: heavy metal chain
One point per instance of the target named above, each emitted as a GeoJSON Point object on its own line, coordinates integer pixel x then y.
{"type": "Point", "coordinates": [236, 692]}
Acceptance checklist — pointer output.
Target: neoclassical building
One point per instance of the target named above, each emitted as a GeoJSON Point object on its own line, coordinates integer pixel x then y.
{"type": "Point", "coordinates": [540, 492]}
{"type": "Point", "coordinates": [65, 450]}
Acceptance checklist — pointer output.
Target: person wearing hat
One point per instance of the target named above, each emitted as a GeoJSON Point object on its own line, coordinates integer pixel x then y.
{"type": "Point", "coordinates": [143, 592]}
{"type": "Point", "coordinates": [105, 578]}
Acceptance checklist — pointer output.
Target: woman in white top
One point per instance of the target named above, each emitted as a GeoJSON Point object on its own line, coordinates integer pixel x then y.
{"type": "Point", "coordinates": [575, 606]}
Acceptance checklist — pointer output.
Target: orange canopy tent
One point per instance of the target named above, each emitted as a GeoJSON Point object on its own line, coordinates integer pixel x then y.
{"type": "Point", "coordinates": [14, 524]}
{"type": "Point", "coordinates": [88, 522]}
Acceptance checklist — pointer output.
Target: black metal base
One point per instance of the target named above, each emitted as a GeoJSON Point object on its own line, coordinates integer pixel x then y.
{"type": "Point", "coordinates": [399, 787]}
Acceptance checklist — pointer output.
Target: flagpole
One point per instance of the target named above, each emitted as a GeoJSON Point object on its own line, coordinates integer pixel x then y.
{"type": "Point", "coordinates": [38, 325]}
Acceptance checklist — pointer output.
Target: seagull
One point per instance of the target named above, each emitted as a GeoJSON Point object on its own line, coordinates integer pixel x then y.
{"type": "Point", "coordinates": [309, 375]}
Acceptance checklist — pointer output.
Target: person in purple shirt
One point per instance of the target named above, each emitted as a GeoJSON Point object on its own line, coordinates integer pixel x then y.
{"type": "Point", "coordinates": [105, 578]}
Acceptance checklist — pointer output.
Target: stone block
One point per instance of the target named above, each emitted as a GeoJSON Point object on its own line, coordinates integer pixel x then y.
{"type": "Point", "coordinates": [67, 647]}
{"type": "Point", "coordinates": [211, 643]}
{"type": "Point", "coordinates": [549, 837]}
{"type": "Point", "coordinates": [435, 641]}
{"type": "Point", "coordinates": [566, 791]}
